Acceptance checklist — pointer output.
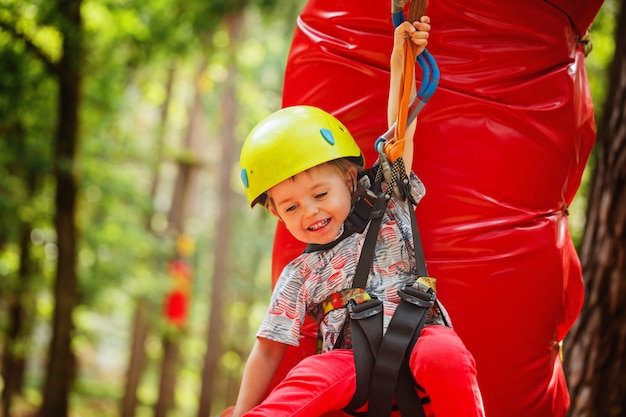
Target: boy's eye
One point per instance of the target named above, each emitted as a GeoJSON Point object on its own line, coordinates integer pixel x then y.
{"type": "Point", "coordinates": [321, 195]}
{"type": "Point", "coordinates": [290, 209]}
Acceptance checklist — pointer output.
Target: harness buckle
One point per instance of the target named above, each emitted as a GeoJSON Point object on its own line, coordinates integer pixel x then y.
{"type": "Point", "coordinates": [364, 310]}
{"type": "Point", "coordinates": [417, 297]}
{"type": "Point", "coordinates": [367, 207]}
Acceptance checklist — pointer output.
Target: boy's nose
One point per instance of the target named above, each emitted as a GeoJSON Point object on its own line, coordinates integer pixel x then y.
{"type": "Point", "coordinates": [311, 209]}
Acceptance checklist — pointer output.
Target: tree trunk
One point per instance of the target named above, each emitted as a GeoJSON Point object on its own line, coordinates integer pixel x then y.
{"type": "Point", "coordinates": [141, 326]}
{"type": "Point", "coordinates": [137, 358]}
{"type": "Point", "coordinates": [155, 171]}
{"type": "Point", "coordinates": [13, 362]}
{"type": "Point", "coordinates": [167, 383]}
{"type": "Point", "coordinates": [595, 350]}
{"type": "Point", "coordinates": [223, 225]}
{"type": "Point", "coordinates": [60, 371]}
{"type": "Point", "coordinates": [186, 176]}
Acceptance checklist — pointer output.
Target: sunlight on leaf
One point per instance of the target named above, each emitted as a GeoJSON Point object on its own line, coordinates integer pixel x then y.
{"type": "Point", "coordinates": [154, 92]}
{"type": "Point", "coordinates": [217, 72]}
{"type": "Point", "coordinates": [221, 39]}
{"type": "Point", "coordinates": [9, 262]}
{"type": "Point", "coordinates": [251, 54]}
{"type": "Point", "coordinates": [230, 360]}
{"type": "Point", "coordinates": [45, 306]}
{"type": "Point", "coordinates": [50, 41]}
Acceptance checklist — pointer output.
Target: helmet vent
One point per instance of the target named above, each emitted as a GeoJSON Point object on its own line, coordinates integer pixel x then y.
{"type": "Point", "coordinates": [244, 178]}
{"type": "Point", "coordinates": [327, 135]}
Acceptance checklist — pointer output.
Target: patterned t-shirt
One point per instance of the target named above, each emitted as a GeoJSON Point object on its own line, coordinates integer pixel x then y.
{"type": "Point", "coordinates": [310, 278]}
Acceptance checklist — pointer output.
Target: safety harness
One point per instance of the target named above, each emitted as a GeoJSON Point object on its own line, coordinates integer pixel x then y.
{"type": "Point", "coordinates": [381, 362]}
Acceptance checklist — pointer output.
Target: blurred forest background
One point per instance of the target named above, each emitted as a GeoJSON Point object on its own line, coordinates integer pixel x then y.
{"type": "Point", "coordinates": [133, 275]}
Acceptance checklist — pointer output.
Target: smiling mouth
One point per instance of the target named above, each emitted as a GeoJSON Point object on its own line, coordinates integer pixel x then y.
{"type": "Point", "coordinates": [319, 225]}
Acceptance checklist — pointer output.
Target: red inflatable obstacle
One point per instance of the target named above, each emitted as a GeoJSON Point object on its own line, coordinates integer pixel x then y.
{"type": "Point", "coordinates": [501, 148]}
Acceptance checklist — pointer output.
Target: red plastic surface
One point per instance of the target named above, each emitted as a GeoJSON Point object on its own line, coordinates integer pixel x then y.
{"type": "Point", "coordinates": [501, 148]}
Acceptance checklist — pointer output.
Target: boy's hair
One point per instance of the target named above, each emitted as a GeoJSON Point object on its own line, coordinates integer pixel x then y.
{"type": "Point", "coordinates": [342, 165]}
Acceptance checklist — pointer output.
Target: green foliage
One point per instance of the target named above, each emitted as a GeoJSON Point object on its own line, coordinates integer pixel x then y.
{"type": "Point", "coordinates": [602, 37]}
{"type": "Point", "coordinates": [131, 46]}
{"type": "Point", "coordinates": [27, 99]}
{"type": "Point", "coordinates": [26, 94]}
{"type": "Point", "coordinates": [603, 40]}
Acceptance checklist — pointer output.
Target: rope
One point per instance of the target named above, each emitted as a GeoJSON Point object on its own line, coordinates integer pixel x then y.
{"type": "Point", "coordinates": [390, 146]}
{"type": "Point", "coordinates": [395, 148]}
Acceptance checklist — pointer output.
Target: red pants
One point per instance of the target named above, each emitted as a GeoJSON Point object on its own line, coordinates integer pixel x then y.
{"type": "Point", "coordinates": [440, 364]}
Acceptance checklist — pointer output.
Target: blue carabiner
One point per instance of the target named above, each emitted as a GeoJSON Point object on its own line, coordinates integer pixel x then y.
{"type": "Point", "coordinates": [428, 85]}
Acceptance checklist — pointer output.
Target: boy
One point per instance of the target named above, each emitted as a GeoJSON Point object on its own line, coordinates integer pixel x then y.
{"type": "Point", "coordinates": [303, 165]}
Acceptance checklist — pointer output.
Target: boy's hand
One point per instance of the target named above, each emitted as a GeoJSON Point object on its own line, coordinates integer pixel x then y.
{"type": "Point", "coordinates": [416, 33]}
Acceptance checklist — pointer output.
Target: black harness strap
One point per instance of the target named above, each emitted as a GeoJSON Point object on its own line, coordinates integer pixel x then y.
{"type": "Point", "coordinates": [367, 332]}
{"type": "Point", "coordinates": [367, 318]}
{"type": "Point", "coordinates": [367, 252]}
{"type": "Point", "coordinates": [404, 328]}
{"type": "Point", "coordinates": [406, 396]}
{"type": "Point", "coordinates": [381, 363]}
{"type": "Point", "coordinates": [420, 259]}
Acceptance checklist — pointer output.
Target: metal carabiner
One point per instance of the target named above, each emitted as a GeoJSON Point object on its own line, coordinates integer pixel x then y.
{"type": "Point", "coordinates": [384, 161]}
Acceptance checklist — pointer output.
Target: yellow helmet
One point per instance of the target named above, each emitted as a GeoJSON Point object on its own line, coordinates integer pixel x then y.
{"type": "Point", "coordinates": [291, 141]}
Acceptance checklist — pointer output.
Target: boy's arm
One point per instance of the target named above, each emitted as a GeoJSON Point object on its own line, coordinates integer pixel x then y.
{"type": "Point", "coordinates": [261, 366]}
{"type": "Point", "coordinates": [418, 33]}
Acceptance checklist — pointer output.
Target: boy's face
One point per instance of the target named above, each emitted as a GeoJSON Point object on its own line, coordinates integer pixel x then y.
{"type": "Point", "coordinates": [313, 204]}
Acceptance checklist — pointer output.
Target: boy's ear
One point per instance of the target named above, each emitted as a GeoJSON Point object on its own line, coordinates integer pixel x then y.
{"type": "Point", "coordinates": [271, 209]}
{"type": "Point", "coordinates": [350, 176]}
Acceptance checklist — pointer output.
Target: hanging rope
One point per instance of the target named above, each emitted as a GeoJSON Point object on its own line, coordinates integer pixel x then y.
{"type": "Point", "coordinates": [390, 146]}
{"type": "Point", "coordinates": [395, 147]}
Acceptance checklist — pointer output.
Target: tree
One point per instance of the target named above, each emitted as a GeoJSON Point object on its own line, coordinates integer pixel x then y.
{"type": "Point", "coordinates": [223, 222]}
{"type": "Point", "coordinates": [141, 328]}
{"type": "Point", "coordinates": [61, 361]}
{"type": "Point", "coordinates": [106, 107]}
{"type": "Point", "coordinates": [595, 350]}
{"type": "Point", "coordinates": [24, 163]}
{"type": "Point", "coordinates": [67, 72]}
{"type": "Point", "coordinates": [183, 194]}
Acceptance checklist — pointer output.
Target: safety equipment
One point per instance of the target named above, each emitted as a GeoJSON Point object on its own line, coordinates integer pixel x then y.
{"type": "Point", "coordinates": [291, 141]}
{"type": "Point", "coordinates": [390, 146]}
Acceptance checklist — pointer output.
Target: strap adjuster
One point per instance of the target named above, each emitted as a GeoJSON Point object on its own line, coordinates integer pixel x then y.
{"type": "Point", "coordinates": [359, 311]}
{"type": "Point", "coordinates": [369, 206]}
{"type": "Point", "coordinates": [417, 297]}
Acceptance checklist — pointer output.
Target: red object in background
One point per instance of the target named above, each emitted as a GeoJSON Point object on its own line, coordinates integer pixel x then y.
{"type": "Point", "coordinates": [501, 148]}
{"type": "Point", "coordinates": [176, 304]}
